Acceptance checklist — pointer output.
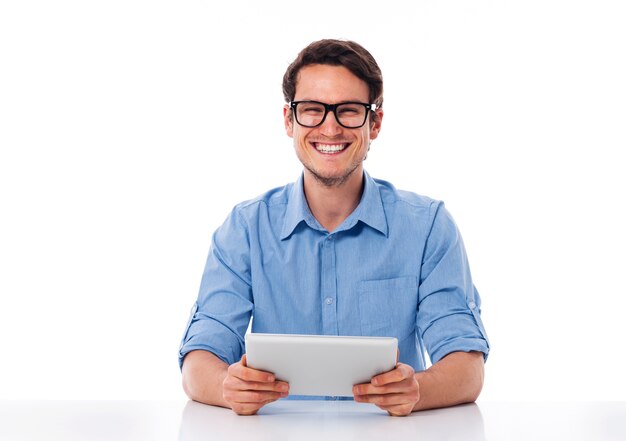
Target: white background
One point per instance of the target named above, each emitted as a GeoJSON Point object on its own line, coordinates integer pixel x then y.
{"type": "Point", "coordinates": [124, 144]}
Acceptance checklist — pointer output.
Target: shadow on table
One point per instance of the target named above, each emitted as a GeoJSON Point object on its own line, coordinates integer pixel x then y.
{"type": "Point", "coordinates": [314, 420]}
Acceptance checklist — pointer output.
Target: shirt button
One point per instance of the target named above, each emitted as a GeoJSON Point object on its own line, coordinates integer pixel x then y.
{"type": "Point", "coordinates": [329, 300]}
{"type": "Point", "coordinates": [472, 305]}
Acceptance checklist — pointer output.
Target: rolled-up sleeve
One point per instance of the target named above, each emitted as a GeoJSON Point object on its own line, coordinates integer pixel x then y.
{"type": "Point", "coordinates": [220, 316]}
{"type": "Point", "coordinates": [448, 316]}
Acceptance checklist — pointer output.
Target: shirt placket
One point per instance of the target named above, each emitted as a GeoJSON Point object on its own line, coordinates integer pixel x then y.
{"type": "Point", "coordinates": [329, 287]}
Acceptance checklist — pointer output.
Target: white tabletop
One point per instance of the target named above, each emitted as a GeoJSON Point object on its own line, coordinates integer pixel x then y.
{"type": "Point", "coordinates": [307, 420]}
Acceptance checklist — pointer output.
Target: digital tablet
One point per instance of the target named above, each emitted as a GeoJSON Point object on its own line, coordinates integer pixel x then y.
{"type": "Point", "coordinates": [321, 364]}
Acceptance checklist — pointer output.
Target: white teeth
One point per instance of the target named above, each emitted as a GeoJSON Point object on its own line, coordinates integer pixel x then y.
{"type": "Point", "coordinates": [330, 148]}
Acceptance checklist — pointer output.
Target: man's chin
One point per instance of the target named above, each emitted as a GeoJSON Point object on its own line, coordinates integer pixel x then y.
{"type": "Point", "coordinates": [335, 180]}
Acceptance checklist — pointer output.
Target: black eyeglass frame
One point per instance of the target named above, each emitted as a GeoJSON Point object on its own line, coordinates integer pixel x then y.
{"type": "Point", "coordinates": [333, 108]}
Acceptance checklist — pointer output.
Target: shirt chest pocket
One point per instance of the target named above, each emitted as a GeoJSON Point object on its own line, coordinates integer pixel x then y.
{"type": "Point", "coordinates": [388, 307]}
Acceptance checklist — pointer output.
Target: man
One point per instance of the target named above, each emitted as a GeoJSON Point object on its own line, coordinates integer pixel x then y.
{"type": "Point", "coordinates": [337, 253]}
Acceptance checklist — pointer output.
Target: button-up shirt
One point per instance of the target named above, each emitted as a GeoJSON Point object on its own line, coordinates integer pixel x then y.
{"type": "Point", "coordinates": [395, 267]}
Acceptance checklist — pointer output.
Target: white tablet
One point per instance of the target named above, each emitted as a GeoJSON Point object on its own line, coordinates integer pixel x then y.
{"type": "Point", "coordinates": [321, 364]}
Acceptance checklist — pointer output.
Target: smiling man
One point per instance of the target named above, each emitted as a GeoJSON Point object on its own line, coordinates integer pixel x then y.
{"type": "Point", "coordinates": [337, 253]}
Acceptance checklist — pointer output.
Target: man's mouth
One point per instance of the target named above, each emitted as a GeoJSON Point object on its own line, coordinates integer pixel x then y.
{"type": "Point", "coordinates": [330, 148]}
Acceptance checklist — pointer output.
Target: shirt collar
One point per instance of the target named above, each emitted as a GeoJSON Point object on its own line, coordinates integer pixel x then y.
{"type": "Point", "coordinates": [297, 210]}
{"type": "Point", "coordinates": [370, 210]}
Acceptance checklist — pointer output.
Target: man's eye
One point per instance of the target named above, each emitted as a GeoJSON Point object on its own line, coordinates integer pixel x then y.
{"type": "Point", "coordinates": [313, 110]}
{"type": "Point", "coordinates": [349, 110]}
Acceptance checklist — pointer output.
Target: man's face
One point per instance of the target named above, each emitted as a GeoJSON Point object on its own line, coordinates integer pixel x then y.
{"type": "Point", "coordinates": [330, 152]}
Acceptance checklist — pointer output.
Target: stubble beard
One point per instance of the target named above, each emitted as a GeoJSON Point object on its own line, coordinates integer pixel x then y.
{"type": "Point", "coordinates": [333, 181]}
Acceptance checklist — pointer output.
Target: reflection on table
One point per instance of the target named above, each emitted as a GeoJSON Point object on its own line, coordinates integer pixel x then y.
{"type": "Point", "coordinates": [340, 420]}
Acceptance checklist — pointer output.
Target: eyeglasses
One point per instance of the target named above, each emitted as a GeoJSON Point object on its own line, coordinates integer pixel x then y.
{"type": "Point", "coordinates": [350, 115]}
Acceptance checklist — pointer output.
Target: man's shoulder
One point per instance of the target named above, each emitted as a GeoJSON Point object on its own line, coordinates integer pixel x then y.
{"type": "Point", "coordinates": [274, 197]}
{"type": "Point", "coordinates": [408, 200]}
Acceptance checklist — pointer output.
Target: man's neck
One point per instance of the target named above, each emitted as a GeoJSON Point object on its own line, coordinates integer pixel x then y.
{"type": "Point", "coordinates": [331, 205]}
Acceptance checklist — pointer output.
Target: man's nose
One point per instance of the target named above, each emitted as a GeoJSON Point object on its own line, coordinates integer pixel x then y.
{"type": "Point", "coordinates": [330, 126]}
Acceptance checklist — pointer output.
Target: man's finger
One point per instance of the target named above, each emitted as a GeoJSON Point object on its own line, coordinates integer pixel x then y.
{"type": "Point", "coordinates": [258, 397]}
{"type": "Point", "coordinates": [401, 372]}
{"type": "Point", "coordinates": [277, 386]}
{"type": "Point", "coordinates": [247, 408]}
{"type": "Point", "coordinates": [240, 370]}
{"type": "Point", "coordinates": [389, 388]}
{"type": "Point", "coordinates": [398, 410]}
{"type": "Point", "coordinates": [250, 408]}
{"type": "Point", "coordinates": [384, 400]}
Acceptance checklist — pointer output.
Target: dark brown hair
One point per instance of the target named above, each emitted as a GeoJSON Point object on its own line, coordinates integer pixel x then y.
{"type": "Point", "coordinates": [349, 54]}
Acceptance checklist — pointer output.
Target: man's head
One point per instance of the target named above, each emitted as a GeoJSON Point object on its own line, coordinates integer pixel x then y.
{"type": "Point", "coordinates": [334, 90]}
{"type": "Point", "coordinates": [349, 54]}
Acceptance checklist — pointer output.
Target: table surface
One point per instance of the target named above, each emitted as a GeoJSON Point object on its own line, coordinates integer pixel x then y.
{"type": "Point", "coordinates": [308, 420]}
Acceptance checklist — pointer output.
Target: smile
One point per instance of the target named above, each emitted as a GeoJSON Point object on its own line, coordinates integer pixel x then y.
{"type": "Point", "coordinates": [329, 148]}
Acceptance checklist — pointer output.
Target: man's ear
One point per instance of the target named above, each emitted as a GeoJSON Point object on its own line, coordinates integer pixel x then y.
{"type": "Point", "coordinates": [288, 117]}
{"type": "Point", "coordinates": [376, 123]}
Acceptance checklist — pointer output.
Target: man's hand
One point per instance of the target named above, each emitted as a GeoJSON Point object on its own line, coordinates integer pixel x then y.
{"type": "Point", "coordinates": [396, 391]}
{"type": "Point", "coordinates": [246, 390]}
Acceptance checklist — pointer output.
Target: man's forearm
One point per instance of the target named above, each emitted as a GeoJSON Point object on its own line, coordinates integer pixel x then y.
{"type": "Point", "coordinates": [203, 377]}
{"type": "Point", "coordinates": [455, 379]}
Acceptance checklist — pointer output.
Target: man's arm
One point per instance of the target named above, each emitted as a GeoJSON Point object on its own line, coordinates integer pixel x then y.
{"type": "Point", "coordinates": [455, 379]}
{"type": "Point", "coordinates": [203, 376]}
{"type": "Point", "coordinates": [209, 380]}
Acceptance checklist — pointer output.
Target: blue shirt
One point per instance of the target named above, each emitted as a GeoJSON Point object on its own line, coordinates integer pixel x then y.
{"type": "Point", "coordinates": [395, 267]}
